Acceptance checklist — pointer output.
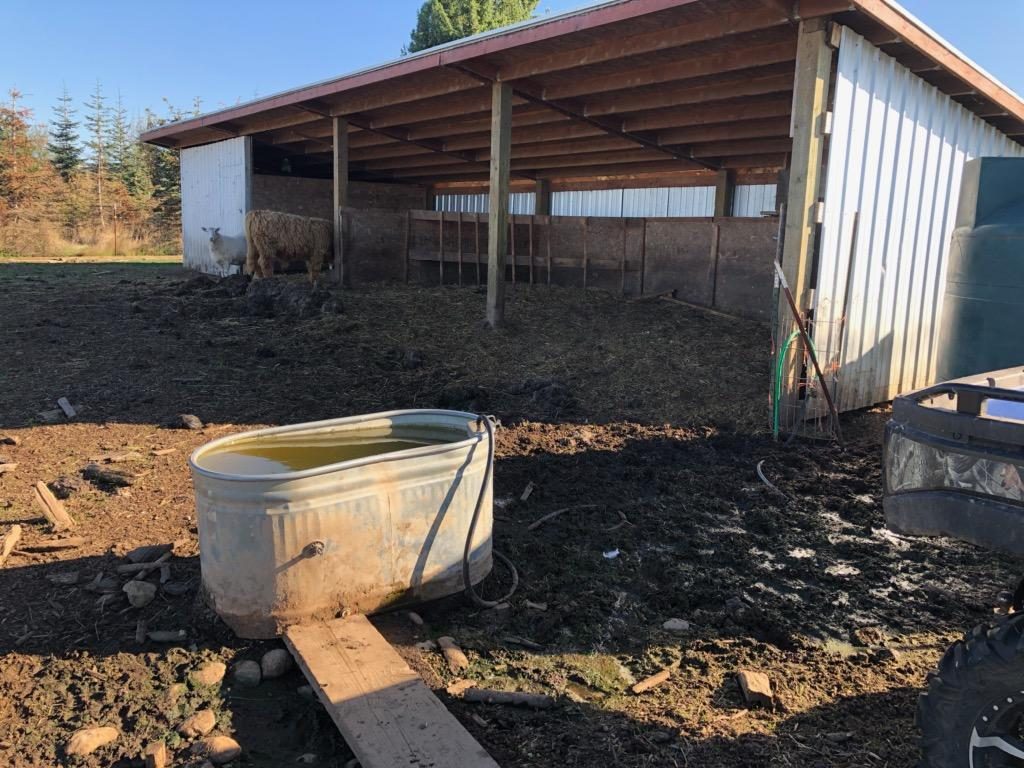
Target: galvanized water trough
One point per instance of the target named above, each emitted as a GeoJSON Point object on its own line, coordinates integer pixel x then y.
{"type": "Point", "coordinates": [352, 515]}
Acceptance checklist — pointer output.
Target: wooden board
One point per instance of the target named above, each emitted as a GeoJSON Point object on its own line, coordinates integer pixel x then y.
{"type": "Point", "coordinates": [384, 710]}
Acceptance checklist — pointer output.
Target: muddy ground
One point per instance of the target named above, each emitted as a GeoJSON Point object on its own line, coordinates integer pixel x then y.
{"type": "Point", "coordinates": [646, 412]}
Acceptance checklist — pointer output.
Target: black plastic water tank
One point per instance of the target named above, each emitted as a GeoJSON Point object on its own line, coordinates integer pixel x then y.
{"type": "Point", "coordinates": [982, 327]}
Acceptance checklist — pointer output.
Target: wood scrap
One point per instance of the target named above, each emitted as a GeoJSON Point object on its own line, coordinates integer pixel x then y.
{"type": "Point", "coordinates": [652, 682]}
{"type": "Point", "coordinates": [65, 405]}
{"type": "Point", "coordinates": [54, 511]}
{"type": "Point", "coordinates": [457, 660]}
{"type": "Point", "coordinates": [8, 467]}
{"type": "Point", "coordinates": [527, 491]}
{"type": "Point", "coordinates": [163, 451]}
{"type": "Point", "coordinates": [147, 553]}
{"type": "Point", "coordinates": [511, 698]}
{"type": "Point", "coordinates": [523, 641]}
{"type": "Point", "coordinates": [10, 541]}
{"type": "Point", "coordinates": [148, 567]}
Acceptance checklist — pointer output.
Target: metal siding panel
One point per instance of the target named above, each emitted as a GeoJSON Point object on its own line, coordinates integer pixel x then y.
{"type": "Point", "coordinates": [751, 200]}
{"type": "Point", "coordinates": [896, 153]}
{"type": "Point", "coordinates": [214, 193]}
{"type": "Point", "coordinates": [519, 203]}
{"type": "Point", "coordinates": [691, 201]}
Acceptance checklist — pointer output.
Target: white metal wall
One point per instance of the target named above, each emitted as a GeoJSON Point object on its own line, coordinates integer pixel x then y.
{"type": "Point", "coordinates": [215, 192]}
{"type": "Point", "coordinates": [896, 155]}
{"type": "Point", "coordinates": [751, 200]}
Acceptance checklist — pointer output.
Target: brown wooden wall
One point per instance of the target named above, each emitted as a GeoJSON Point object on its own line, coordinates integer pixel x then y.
{"type": "Point", "coordinates": [723, 263]}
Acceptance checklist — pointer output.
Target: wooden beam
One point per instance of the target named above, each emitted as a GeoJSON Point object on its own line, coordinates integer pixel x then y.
{"type": "Point", "coordinates": [536, 94]}
{"type": "Point", "coordinates": [738, 129]}
{"type": "Point", "coordinates": [666, 72]}
{"type": "Point", "coordinates": [732, 85]}
{"type": "Point", "coordinates": [542, 206]}
{"type": "Point", "coordinates": [716, 112]}
{"type": "Point", "coordinates": [339, 164]}
{"type": "Point", "coordinates": [501, 153]}
{"type": "Point", "coordinates": [725, 184]}
{"type": "Point", "coordinates": [715, 27]}
{"type": "Point", "coordinates": [810, 103]}
{"type": "Point", "coordinates": [745, 147]}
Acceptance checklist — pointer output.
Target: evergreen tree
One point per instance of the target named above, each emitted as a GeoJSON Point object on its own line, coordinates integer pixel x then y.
{"type": "Point", "coordinates": [118, 139]}
{"type": "Point", "coordinates": [96, 121]}
{"type": "Point", "coordinates": [65, 152]}
{"type": "Point", "coordinates": [441, 21]}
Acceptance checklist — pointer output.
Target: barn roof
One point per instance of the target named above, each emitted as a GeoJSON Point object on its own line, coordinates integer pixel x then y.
{"type": "Point", "coordinates": [628, 87]}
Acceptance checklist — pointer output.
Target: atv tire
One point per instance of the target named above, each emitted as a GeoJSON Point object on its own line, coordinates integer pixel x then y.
{"type": "Point", "coordinates": [971, 715]}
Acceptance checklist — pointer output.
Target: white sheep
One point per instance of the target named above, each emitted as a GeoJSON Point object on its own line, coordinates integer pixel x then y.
{"type": "Point", "coordinates": [227, 251]}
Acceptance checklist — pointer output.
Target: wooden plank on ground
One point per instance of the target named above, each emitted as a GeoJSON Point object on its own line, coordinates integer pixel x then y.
{"type": "Point", "coordinates": [54, 511]}
{"type": "Point", "coordinates": [384, 710]}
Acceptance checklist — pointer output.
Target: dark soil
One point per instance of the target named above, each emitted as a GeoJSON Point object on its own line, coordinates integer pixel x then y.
{"type": "Point", "coordinates": [644, 419]}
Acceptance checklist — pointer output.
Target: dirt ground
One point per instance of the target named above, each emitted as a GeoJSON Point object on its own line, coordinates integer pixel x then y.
{"type": "Point", "coordinates": [646, 412]}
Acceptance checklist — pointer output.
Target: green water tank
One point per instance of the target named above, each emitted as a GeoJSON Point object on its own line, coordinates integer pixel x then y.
{"type": "Point", "coordinates": [982, 326]}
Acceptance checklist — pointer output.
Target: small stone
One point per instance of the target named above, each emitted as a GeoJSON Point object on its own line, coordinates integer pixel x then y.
{"type": "Point", "coordinates": [10, 440]}
{"type": "Point", "coordinates": [660, 737]}
{"type": "Point", "coordinates": [167, 635]}
{"type": "Point", "coordinates": [174, 692]}
{"type": "Point", "coordinates": [200, 724]}
{"type": "Point", "coordinates": [307, 759]}
{"type": "Point", "coordinates": [427, 645]}
{"type": "Point", "coordinates": [63, 579]}
{"type": "Point", "coordinates": [306, 692]}
{"type": "Point", "coordinates": [186, 421]}
{"type": "Point", "coordinates": [275, 663]}
{"type": "Point", "coordinates": [88, 740]}
{"type": "Point", "coordinates": [211, 673]}
{"type": "Point", "coordinates": [676, 625]}
{"type": "Point", "coordinates": [415, 618]}
{"type": "Point", "coordinates": [884, 654]}
{"type": "Point", "coordinates": [217, 749]}
{"type": "Point", "coordinates": [155, 755]}
{"type": "Point", "coordinates": [756, 687]}
{"type": "Point", "coordinates": [140, 593]}
{"type": "Point", "coordinates": [247, 673]}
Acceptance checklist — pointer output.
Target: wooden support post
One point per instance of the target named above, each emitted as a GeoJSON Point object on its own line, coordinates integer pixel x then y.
{"type": "Point", "coordinates": [548, 241]}
{"type": "Point", "coordinates": [725, 186]}
{"type": "Point", "coordinates": [476, 241]}
{"type": "Point", "coordinates": [408, 243]}
{"type": "Point", "coordinates": [810, 104]}
{"type": "Point", "coordinates": [716, 233]}
{"type": "Point", "coordinates": [542, 206]}
{"type": "Point", "coordinates": [643, 259]}
{"type": "Point", "coordinates": [585, 254]}
{"type": "Point", "coordinates": [440, 251]}
{"type": "Point", "coordinates": [625, 223]}
{"type": "Point", "coordinates": [512, 244]}
{"type": "Point", "coordinates": [530, 232]}
{"type": "Point", "coordinates": [459, 235]}
{"type": "Point", "coordinates": [340, 187]}
{"type": "Point", "coordinates": [501, 151]}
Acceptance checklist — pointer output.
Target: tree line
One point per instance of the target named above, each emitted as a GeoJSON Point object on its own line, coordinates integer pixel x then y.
{"type": "Point", "coordinates": [83, 183]}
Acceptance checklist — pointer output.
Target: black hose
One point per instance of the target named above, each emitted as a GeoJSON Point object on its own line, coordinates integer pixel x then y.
{"type": "Point", "coordinates": [470, 589]}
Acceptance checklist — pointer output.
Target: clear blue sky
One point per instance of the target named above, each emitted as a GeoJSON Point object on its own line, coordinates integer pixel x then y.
{"type": "Point", "coordinates": [229, 52]}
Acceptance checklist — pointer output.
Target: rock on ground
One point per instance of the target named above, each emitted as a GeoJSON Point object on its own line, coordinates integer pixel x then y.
{"type": "Point", "coordinates": [676, 625]}
{"type": "Point", "coordinates": [88, 740]}
{"type": "Point", "coordinates": [140, 593]}
{"type": "Point", "coordinates": [217, 749]}
{"type": "Point", "coordinates": [155, 755]}
{"type": "Point", "coordinates": [247, 673]}
{"type": "Point", "coordinates": [211, 673]}
{"type": "Point", "coordinates": [65, 485]}
{"type": "Point", "coordinates": [200, 724]}
{"type": "Point", "coordinates": [275, 663]}
{"type": "Point", "coordinates": [756, 687]}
